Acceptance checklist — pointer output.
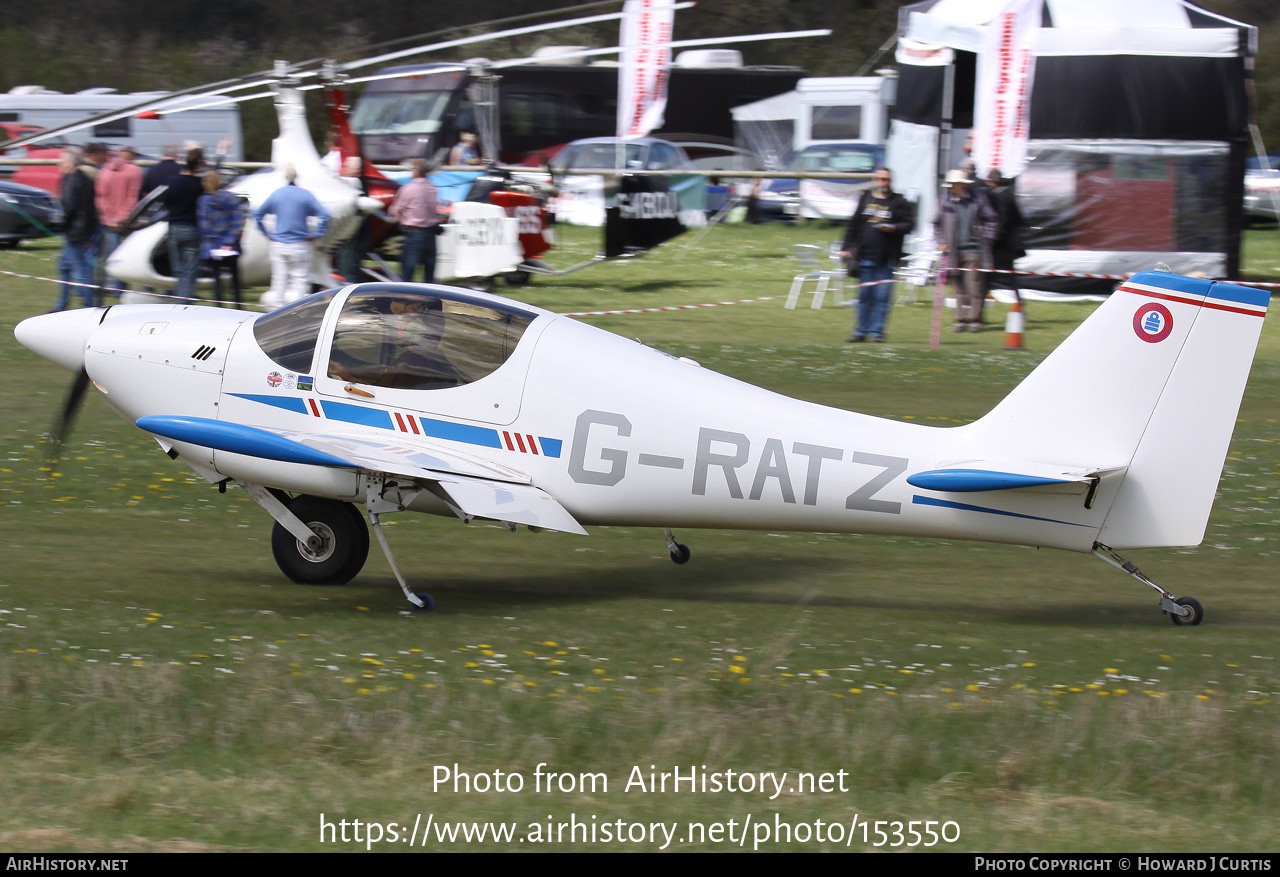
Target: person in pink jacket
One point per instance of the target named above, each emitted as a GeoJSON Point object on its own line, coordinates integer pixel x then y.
{"type": "Point", "coordinates": [116, 193]}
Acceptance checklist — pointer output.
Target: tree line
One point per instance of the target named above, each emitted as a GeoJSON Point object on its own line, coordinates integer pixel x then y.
{"type": "Point", "coordinates": [150, 45]}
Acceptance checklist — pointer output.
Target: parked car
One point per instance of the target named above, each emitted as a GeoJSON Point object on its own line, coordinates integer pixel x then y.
{"type": "Point", "coordinates": [26, 212]}
{"type": "Point", "coordinates": [42, 176]}
{"type": "Point", "coordinates": [583, 199]}
{"type": "Point", "coordinates": [641, 153]}
{"type": "Point", "coordinates": [780, 199]}
{"type": "Point", "coordinates": [1261, 194]}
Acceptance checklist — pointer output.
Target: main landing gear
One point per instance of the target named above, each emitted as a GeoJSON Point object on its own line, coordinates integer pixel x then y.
{"type": "Point", "coordinates": [1182, 610]}
{"type": "Point", "coordinates": [325, 542]}
{"type": "Point", "coordinates": [336, 551]}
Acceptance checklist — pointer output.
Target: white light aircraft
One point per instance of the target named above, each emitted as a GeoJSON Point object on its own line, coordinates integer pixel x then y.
{"type": "Point", "coordinates": [425, 398]}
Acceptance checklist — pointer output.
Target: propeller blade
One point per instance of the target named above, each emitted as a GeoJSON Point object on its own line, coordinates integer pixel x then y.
{"type": "Point", "coordinates": [70, 408]}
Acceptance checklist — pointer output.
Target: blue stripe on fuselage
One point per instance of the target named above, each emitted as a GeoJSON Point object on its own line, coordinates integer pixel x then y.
{"type": "Point", "coordinates": [288, 403]}
{"type": "Point", "coordinates": [965, 507]}
{"type": "Point", "coordinates": [460, 432]}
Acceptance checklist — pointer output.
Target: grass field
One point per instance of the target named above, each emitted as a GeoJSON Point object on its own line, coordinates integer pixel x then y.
{"type": "Point", "coordinates": [163, 687]}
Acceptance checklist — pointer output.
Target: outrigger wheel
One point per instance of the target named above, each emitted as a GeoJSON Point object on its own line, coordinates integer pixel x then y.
{"type": "Point", "coordinates": [343, 548]}
{"type": "Point", "coordinates": [1193, 612]}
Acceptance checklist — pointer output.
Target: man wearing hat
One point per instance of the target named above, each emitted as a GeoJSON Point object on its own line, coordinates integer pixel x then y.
{"type": "Point", "coordinates": [964, 228]}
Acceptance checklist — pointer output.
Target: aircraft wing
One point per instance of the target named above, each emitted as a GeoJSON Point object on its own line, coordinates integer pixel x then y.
{"type": "Point", "coordinates": [475, 487]}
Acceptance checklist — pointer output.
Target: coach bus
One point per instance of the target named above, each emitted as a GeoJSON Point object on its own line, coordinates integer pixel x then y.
{"type": "Point", "coordinates": [542, 107]}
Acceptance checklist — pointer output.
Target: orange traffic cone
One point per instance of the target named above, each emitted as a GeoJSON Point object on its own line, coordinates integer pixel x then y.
{"type": "Point", "coordinates": [1013, 327]}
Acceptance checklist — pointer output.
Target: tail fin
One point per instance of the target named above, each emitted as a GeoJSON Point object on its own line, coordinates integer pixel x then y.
{"type": "Point", "coordinates": [1151, 382]}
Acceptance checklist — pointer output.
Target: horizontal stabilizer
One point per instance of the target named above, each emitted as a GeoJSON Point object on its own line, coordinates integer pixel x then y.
{"type": "Point", "coordinates": [978, 476]}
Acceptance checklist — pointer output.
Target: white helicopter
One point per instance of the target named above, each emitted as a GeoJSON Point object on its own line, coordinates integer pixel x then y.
{"type": "Point", "coordinates": [415, 397]}
{"type": "Point", "coordinates": [479, 241]}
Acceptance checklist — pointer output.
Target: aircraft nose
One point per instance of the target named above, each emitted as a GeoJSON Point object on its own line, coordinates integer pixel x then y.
{"type": "Point", "coordinates": [60, 337]}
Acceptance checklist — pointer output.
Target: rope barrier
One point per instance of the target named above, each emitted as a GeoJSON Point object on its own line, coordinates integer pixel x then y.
{"type": "Point", "coordinates": [622, 311]}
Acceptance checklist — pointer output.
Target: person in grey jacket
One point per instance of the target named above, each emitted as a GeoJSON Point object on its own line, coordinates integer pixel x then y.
{"type": "Point", "coordinates": [965, 227]}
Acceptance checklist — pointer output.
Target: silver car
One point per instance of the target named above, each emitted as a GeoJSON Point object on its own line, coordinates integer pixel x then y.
{"type": "Point", "coordinates": [1261, 194]}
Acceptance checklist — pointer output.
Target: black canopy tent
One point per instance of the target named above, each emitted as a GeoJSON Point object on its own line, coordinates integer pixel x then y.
{"type": "Point", "coordinates": [1139, 130]}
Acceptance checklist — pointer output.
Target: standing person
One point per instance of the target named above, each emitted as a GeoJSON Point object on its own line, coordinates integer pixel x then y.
{"type": "Point", "coordinates": [964, 227]}
{"type": "Point", "coordinates": [95, 155]}
{"type": "Point", "coordinates": [161, 172]}
{"type": "Point", "coordinates": [332, 158]}
{"type": "Point", "coordinates": [180, 200]}
{"type": "Point", "coordinates": [351, 253]}
{"type": "Point", "coordinates": [872, 247]}
{"type": "Point", "coordinates": [416, 208]}
{"type": "Point", "coordinates": [116, 190]}
{"type": "Point", "coordinates": [220, 217]}
{"type": "Point", "coordinates": [292, 239]}
{"type": "Point", "coordinates": [81, 234]}
{"type": "Point", "coordinates": [1007, 245]}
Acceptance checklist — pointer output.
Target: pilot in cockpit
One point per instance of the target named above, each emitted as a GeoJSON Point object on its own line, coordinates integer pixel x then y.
{"type": "Point", "coordinates": [411, 357]}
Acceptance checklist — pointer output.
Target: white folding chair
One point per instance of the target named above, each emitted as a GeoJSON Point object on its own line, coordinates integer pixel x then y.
{"type": "Point", "coordinates": [919, 271]}
{"type": "Point", "coordinates": [823, 268]}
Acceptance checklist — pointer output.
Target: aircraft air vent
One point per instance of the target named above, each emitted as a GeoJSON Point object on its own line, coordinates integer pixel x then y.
{"type": "Point", "coordinates": [203, 352]}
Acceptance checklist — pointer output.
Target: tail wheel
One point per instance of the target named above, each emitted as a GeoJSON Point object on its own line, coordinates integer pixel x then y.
{"type": "Point", "coordinates": [343, 549]}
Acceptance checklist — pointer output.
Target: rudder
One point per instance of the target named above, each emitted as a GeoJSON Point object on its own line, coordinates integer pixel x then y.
{"type": "Point", "coordinates": [1172, 480]}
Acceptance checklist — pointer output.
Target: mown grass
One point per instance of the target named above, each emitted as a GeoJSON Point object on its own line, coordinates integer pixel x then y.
{"type": "Point", "coordinates": [163, 687]}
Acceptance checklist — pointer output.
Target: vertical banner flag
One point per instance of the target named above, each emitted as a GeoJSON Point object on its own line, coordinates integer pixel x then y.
{"type": "Point", "coordinates": [645, 65]}
{"type": "Point", "coordinates": [1006, 71]}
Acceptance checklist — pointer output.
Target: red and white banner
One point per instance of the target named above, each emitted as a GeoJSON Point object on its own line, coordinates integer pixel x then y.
{"type": "Point", "coordinates": [645, 65]}
{"type": "Point", "coordinates": [1006, 71]}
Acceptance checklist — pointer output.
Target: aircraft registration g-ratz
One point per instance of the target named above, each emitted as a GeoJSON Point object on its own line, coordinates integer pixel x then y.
{"type": "Point", "coordinates": [431, 399]}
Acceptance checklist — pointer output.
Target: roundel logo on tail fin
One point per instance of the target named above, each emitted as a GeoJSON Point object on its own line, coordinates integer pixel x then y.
{"type": "Point", "coordinates": [1152, 322]}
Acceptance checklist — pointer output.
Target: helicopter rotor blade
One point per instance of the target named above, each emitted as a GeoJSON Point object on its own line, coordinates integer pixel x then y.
{"type": "Point", "coordinates": [170, 100]}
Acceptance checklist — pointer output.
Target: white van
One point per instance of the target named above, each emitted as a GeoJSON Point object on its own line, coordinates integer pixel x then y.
{"type": "Point", "coordinates": [208, 126]}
